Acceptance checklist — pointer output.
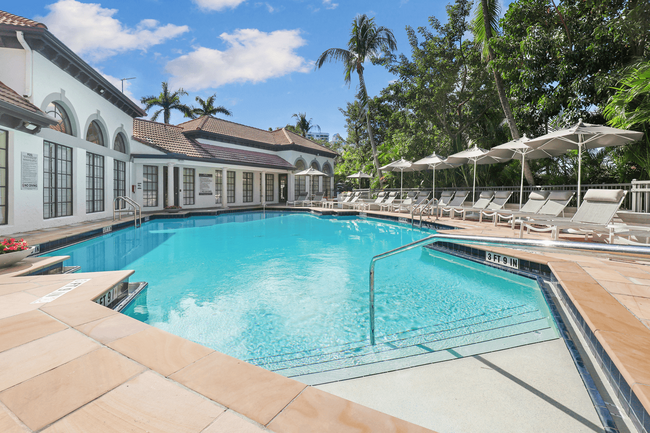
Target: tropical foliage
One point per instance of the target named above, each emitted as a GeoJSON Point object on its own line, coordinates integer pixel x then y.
{"type": "Point", "coordinates": [472, 76]}
{"type": "Point", "coordinates": [206, 108]}
{"type": "Point", "coordinates": [167, 101]}
{"type": "Point", "coordinates": [303, 125]}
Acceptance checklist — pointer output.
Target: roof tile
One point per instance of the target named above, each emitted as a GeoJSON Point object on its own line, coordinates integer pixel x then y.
{"type": "Point", "coordinates": [278, 137]}
{"type": "Point", "coordinates": [15, 20]}
{"type": "Point", "coordinates": [170, 138]}
{"type": "Point", "coordinates": [7, 94]}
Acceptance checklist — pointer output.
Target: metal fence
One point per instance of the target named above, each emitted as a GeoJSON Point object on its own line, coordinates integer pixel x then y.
{"type": "Point", "coordinates": [637, 199]}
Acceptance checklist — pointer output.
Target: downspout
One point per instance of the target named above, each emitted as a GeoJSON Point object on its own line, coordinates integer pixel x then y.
{"type": "Point", "coordinates": [29, 66]}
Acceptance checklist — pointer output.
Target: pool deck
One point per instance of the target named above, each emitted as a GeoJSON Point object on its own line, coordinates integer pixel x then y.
{"type": "Point", "coordinates": [71, 365]}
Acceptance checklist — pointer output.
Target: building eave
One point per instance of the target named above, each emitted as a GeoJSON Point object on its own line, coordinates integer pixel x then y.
{"type": "Point", "coordinates": [16, 117]}
{"type": "Point", "coordinates": [180, 156]}
{"type": "Point", "coordinates": [46, 44]}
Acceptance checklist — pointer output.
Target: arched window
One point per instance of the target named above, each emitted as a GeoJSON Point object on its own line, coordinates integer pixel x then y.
{"type": "Point", "coordinates": [301, 181]}
{"type": "Point", "coordinates": [58, 112]}
{"type": "Point", "coordinates": [95, 134]}
{"type": "Point", "coordinates": [315, 179]}
{"type": "Point", "coordinates": [119, 144]}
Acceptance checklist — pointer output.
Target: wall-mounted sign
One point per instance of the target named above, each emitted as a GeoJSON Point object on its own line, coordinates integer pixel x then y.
{"type": "Point", "coordinates": [205, 184]}
{"type": "Point", "coordinates": [28, 170]}
{"type": "Point", "coordinates": [502, 259]}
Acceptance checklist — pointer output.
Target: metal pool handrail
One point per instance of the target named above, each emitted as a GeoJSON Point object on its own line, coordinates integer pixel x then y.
{"type": "Point", "coordinates": [497, 242]}
{"type": "Point", "coordinates": [137, 220]}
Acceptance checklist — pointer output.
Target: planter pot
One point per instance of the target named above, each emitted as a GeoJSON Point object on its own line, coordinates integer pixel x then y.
{"type": "Point", "coordinates": [173, 210]}
{"type": "Point", "coordinates": [9, 259]}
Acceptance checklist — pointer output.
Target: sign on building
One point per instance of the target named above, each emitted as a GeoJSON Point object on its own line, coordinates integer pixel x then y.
{"type": "Point", "coordinates": [28, 171]}
{"type": "Point", "coordinates": [205, 184]}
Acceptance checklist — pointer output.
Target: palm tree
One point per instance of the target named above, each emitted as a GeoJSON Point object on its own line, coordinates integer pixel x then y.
{"type": "Point", "coordinates": [367, 42]}
{"type": "Point", "coordinates": [207, 108]}
{"type": "Point", "coordinates": [486, 25]}
{"type": "Point", "coordinates": [303, 125]}
{"type": "Point", "coordinates": [167, 101]}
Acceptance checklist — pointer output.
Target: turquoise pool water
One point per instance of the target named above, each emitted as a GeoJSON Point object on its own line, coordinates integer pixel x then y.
{"type": "Point", "coordinates": [253, 286]}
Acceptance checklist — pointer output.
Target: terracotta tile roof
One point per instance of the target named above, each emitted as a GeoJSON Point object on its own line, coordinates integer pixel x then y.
{"type": "Point", "coordinates": [246, 156]}
{"type": "Point", "coordinates": [168, 138]}
{"type": "Point", "coordinates": [278, 137]}
{"type": "Point", "coordinates": [9, 95]}
{"type": "Point", "coordinates": [15, 20]}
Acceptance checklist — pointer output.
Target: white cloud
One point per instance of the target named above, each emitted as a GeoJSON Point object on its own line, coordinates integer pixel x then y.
{"type": "Point", "coordinates": [88, 29]}
{"type": "Point", "coordinates": [329, 5]}
{"type": "Point", "coordinates": [252, 56]}
{"type": "Point", "coordinates": [218, 5]}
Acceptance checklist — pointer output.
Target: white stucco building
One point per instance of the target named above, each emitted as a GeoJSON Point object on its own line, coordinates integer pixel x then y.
{"type": "Point", "coordinates": [70, 142]}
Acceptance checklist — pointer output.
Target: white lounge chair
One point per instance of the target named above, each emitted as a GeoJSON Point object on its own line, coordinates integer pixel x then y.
{"type": "Point", "coordinates": [347, 196]}
{"type": "Point", "coordinates": [498, 202]}
{"type": "Point", "coordinates": [318, 199]}
{"type": "Point", "coordinates": [554, 206]}
{"type": "Point", "coordinates": [457, 201]}
{"type": "Point", "coordinates": [388, 204]}
{"type": "Point", "coordinates": [536, 200]}
{"type": "Point", "coordinates": [350, 204]}
{"type": "Point", "coordinates": [483, 201]}
{"type": "Point", "coordinates": [299, 201]}
{"type": "Point", "coordinates": [417, 201]}
{"type": "Point", "coordinates": [595, 213]}
{"type": "Point", "coordinates": [378, 201]}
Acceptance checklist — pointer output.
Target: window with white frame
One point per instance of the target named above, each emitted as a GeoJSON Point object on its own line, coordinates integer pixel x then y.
{"type": "Point", "coordinates": [248, 187]}
{"type": "Point", "coordinates": [94, 183]}
{"type": "Point", "coordinates": [57, 180]}
{"type": "Point", "coordinates": [218, 186]}
{"type": "Point", "coordinates": [188, 186]}
{"type": "Point", "coordinates": [270, 188]}
{"type": "Point", "coordinates": [231, 186]}
{"type": "Point", "coordinates": [150, 185]}
{"type": "Point", "coordinates": [119, 181]}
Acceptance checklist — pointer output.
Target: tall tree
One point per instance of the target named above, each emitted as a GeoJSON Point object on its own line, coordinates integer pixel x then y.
{"type": "Point", "coordinates": [207, 108]}
{"type": "Point", "coordinates": [303, 125]}
{"type": "Point", "coordinates": [367, 42]}
{"type": "Point", "coordinates": [486, 26]}
{"type": "Point", "coordinates": [167, 101]}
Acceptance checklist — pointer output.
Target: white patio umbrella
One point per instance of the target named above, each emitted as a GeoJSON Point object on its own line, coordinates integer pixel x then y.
{"type": "Point", "coordinates": [435, 161]}
{"type": "Point", "coordinates": [520, 150]}
{"type": "Point", "coordinates": [584, 136]}
{"type": "Point", "coordinates": [402, 165]}
{"type": "Point", "coordinates": [359, 175]}
{"type": "Point", "coordinates": [310, 172]}
{"type": "Point", "coordinates": [477, 156]}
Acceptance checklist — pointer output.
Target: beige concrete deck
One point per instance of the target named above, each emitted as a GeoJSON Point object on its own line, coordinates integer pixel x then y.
{"type": "Point", "coordinates": [72, 365]}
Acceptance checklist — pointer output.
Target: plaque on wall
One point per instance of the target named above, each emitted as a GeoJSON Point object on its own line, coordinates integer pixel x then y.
{"type": "Point", "coordinates": [205, 184]}
{"type": "Point", "coordinates": [28, 170]}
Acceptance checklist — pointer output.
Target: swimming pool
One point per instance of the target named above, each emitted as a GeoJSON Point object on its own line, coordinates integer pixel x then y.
{"type": "Point", "coordinates": [256, 285]}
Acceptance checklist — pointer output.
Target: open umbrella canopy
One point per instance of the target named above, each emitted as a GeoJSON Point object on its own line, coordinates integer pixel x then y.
{"type": "Point", "coordinates": [477, 156]}
{"type": "Point", "coordinates": [359, 175]}
{"type": "Point", "coordinates": [435, 161]}
{"type": "Point", "coordinates": [584, 136]}
{"type": "Point", "coordinates": [402, 165]}
{"type": "Point", "coordinates": [520, 150]}
{"type": "Point", "coordinates": [311, 172]}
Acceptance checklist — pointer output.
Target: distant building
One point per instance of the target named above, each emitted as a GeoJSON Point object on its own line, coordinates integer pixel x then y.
{"type": "Point", "coordinates": [319, 136]}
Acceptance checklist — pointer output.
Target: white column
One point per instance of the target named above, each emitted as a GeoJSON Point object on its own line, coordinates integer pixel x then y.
{"type": "Point", "coordinates": [263, 192]}
{"type": "Point", "coordinates": [170, 184]}
{"type": "Point", "coordinates": [224, 188]}
{"type": "Point", "coordinates": [291, 188]}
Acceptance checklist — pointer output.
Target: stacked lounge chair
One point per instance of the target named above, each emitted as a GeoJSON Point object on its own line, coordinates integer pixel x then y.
{"type": "Point", "coordinates": [388, 203]}
{"type": "Point", "coordinates": [350, 204]}
{"type": "Point", "coordinates": [456, 202]}
{"type": "Point", "coordinates": [378, 201]}
{"type": "Point", "coordinates": [483, 201]}
{"type": "Point", "coordinates": [299, 201]}
{"type": "Point", "coordinates": [417, 201]}
{"type": "Point", "coordinates": [318, 200]}
{"type": "Point", "coordinates": [595, 214]}
{"type": "Point", "coordinates": [347, 196]}
{"type": "Point", "coordinates": [554, 206]}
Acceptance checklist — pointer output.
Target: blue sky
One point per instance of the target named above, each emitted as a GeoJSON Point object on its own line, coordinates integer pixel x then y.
{"type": "Point", "coordinates": [257, 56]}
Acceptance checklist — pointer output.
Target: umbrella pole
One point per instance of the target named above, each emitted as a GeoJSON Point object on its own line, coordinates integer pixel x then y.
{"type": "Point", "coordinates": [521, 190]}
{"type": "Point", "coordinates": [401, 183]}
{"type": "Point", "coordinates": [434, 182]}
{"type": "Point", "coordinates": [579, 167]}
{"type": "Point", "coordinates": [474, 185]}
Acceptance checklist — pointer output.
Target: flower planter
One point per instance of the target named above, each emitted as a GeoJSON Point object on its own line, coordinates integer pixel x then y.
{"type": "Point", "coordinates": [9, 259]}
{"type": "Point", "coordinates": [173, 210]}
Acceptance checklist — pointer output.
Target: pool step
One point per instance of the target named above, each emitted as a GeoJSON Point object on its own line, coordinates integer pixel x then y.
{"type": "Point", "coordinates": [430, 342]}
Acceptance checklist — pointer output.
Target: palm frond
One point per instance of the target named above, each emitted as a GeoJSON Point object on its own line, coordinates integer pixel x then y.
{"type": "Point", "coordinates": [156, 114]}
{"type": "Point", "coordinates": [332, 55]}
{"type": "Point", "coordinates": [490, 14]}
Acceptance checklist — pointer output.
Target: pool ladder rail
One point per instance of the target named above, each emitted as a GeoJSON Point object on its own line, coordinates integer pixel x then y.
{"type": "Point", "coordinates": [134, 207]}
{"type": "Point", "coordinates": [426, 207]}
{"type": "Point", "coordinates": [537, 244]}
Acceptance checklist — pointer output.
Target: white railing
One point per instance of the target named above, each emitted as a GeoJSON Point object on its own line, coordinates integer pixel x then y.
{"type": "Point", "coordinates": [637, 200]}
{"type": "Point", "coordinates": [119, 207]}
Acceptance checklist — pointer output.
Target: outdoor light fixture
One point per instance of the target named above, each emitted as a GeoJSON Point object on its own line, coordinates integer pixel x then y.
{"type": "Point", "coordinates": [30, 126]}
